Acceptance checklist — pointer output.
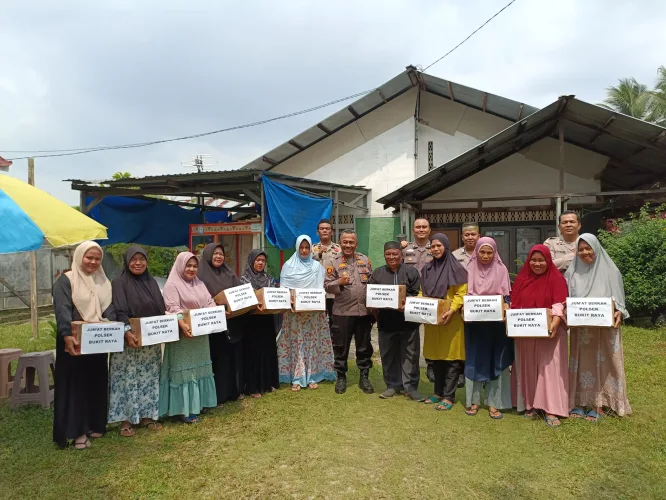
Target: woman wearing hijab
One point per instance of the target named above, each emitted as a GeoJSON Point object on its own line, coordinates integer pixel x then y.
{"type": "Point", "coordinates": [489, 351]}
{"type": "Point", "coordinates": [542, 362]}
{"type": "Point", "coordinates": [226, 348]}
{"type": "Point", "coordinates": [596, 367]}
{"type": "Point", "coordinates": [187, 386]}
{"type": "Point", "coordinates": [260, 365]}
{"type": "Point", "coordinates": [134, 374]}
{"type": "Point", "coordinates": [305, 352]}
{"type": "Point", "coordinates": [80, 405]}
{"type": "Point", "coordinates": [445, 278]}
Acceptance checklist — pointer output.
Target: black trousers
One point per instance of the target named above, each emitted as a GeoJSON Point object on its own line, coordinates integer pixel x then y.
{"type": "Point", "coordinates": [400, 352]}
{"type": "Point", "coordinates": [446, 377]}
{"type": "Point", "coordinates": [343, 328]}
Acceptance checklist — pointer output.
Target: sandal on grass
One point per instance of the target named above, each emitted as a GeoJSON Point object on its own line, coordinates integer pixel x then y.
{"type": "Point", "coordinates": [529, 414]}
{"type": "Point", "coordinates": [127, 431]}
{"type": "Point", "coordinates": [444, 405]}
{"type": "Point", "coordinates": [82, 445]}
{"type": "Point", "coordinates": [472, 411]}
{"type": "Point", "coordinates": [313, 385]}
{"type": "Point", "coordinates": [577, 413]}
{"type": "Point", "coordinates": [95, 435]}
{"type": "Point", "coordinates": [552, 421]}
{"type": "Point", "coordinates": [433, 400]}
{"type": "Point", "coordinates": [295, 388]}
{"type": "Point", "coordinates": [255, 396]}
{"type": "Point", "coordinates": [495, 414]}
{"type": "Point", "coordinates": [151, 425]}
{"type": "Point", "coordinates": [192, 419]}
{"type": "Point", "coordinates": [594, 416]}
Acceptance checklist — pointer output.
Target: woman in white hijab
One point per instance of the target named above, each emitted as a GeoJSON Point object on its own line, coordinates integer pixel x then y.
{"type": "Point", "coordinates": [597, 382]}
{"type": "Point", "coordinates": [305, 352]}
{"type": "Point", "coordinates": [81, 382]}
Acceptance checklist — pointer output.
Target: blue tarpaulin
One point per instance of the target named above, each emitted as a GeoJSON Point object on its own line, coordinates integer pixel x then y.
{"type": "Point", "coordinates": [290, 213]}
{"type": "Point", "coordinates": [149, 222]}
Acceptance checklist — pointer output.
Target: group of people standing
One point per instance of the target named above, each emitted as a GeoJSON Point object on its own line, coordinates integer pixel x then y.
{"type": "Point", "coordinates": [183, 378]}
{"type": "Point", "coordinates": [190, 376]}
{"type": "Point", "coordinates": [535, 375]}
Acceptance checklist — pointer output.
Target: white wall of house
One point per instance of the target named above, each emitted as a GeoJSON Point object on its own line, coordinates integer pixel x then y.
{"type": "Point", "coordinates": [534, 171]}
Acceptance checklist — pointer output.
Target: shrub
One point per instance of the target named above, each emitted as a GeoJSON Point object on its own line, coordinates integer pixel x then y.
{"type": "Point", "coordinates": [637, 245]}
{"type": "Point", "coordinates": [160, 259]}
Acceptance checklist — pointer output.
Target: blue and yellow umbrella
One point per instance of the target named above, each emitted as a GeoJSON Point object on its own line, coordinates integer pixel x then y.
{"type": "Point", "coordinates": [29, 215]}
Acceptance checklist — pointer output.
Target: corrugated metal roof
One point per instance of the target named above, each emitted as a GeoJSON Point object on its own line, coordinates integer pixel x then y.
{"type": "Point", "coordinates": [228, 179]}
{"type": "Point", "coordinates": [636, 149]}
{"type": "Point", "coordinates": [410, 78]}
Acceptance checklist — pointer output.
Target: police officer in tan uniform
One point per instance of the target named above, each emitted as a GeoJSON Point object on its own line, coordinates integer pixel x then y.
{"type": "Point", "coordinates": [347, 279]}
{"type": "Point", "coordinates": [325, 252]}
{"type": "Point", "coordinates": [563, 248]}
{"type": "Point", "coordinates": [418, 253]}
{"type": "Point", "coordinates": [470, 235]}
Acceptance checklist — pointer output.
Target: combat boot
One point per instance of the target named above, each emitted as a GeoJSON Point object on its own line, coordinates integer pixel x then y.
{"type": "Point", "coordinates": [341, 384]}
{"type": "Point", "coordinates": [364, 383]}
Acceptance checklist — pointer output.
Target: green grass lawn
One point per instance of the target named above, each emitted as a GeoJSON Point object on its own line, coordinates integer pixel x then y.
{"type": "Point", "coordinates": [316, 444]}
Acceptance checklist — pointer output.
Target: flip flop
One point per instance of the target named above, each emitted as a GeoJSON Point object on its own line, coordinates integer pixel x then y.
{"type": "Point", "coordinates": [444, 405]}
{"type": "Point", "coordinates": [529, 414]}
{"type": "Point", "coordinates": [82, 445]}
{"type": "Point", "coordinates": [433, 400]}
{"type": "Point", "coordinates": [192, 419]}
{"type": "Point", "coordinates": [295, 388]}
{"type": "Point", "coordinates": [577, 413]}
{"type": "Point", "coordinates": [127, 431]}
{"type": "Point", "coordinates": [472, 412]}
{"type": "Point", "coordinates": [596, 417]}
{"type": "Point", "coordinates": [496, 415]}
{"type": "Point", "coordinates": [550, 422]}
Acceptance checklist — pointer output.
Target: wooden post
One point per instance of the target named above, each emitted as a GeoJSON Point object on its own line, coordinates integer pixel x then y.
{"type": "Point", "coordinates": [558, 209]}
{"type": "Point", "coordinates": [34, 320]}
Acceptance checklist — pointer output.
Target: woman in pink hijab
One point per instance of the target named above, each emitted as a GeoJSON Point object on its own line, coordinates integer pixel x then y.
{"type": "Point", "coordinates": [186, 380]}
{"type": "Point", "coordinates": [489, 350]}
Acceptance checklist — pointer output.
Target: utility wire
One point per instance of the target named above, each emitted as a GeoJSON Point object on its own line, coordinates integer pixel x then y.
{"type": "Point", "coordinates": [78, 151]}
{"type": "Point", "coordinates": [471, 34]}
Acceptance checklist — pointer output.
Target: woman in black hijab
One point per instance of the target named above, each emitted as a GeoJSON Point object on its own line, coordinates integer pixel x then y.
{"type": "Point", "coordinates": [445, 278]}
{"type": "Point", "coordinates": [226, 348]}
{"type": "Point", "coordinates": [134, 374]}
{"type": "Point", "coordinates": [259, 346]}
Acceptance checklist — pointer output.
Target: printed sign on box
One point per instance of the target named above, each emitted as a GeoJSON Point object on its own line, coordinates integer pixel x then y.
{"type": "Point", "coordinates": [590, 312]}
{"type": "Point", "coordinates": [385, 296]}
{"type": "Point", "coordinates": [155, 329]}
{"type": "Point", "coordinates": [207, 321]}
{"type": "Point", "coordinates": [101, 338]}
{"type": "Point", "coordinates": [277, 298]}
{"type": "Point", "coordinates": [241, 297]}
{"type": "Point", "coordinates": [309, 299]}
{"type": "Point", "coordinates": [528, 323]}
{"type": "Point", "coordinates": [483, 308]}
{"type": "Point", "coordinates": [425, 310]}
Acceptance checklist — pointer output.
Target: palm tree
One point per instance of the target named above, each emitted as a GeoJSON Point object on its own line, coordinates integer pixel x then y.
{"type": "Point", "coordinates": [659, 98]}
{"type": "Point", "coordinates": [635, 99]}
{"type": "Point", "coordinates": [629, 98]}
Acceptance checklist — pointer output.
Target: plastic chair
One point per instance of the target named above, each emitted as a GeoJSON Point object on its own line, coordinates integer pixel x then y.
{"type": "Point", "coordinates": [6, 377]}
{"type": "Point", "coordinates": [33, 363]}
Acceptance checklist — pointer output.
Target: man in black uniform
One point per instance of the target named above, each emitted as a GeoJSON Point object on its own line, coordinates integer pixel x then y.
{"type": "Point", "coordinates": [399, 340]}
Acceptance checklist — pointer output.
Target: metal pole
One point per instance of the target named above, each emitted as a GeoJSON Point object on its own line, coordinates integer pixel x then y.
{"type": "Point", "coordinates": [337, 217]}
{"type": "Point", "coordinates": [263, 214]}
{"type": "Point", "coordinates": [558, 211]}
{"type": "Point", "coordinates": [33, 266]}
{"type": "Point", "coordinates": [560, 127]}
{"type": "Point", "coordinates": [417, 115]}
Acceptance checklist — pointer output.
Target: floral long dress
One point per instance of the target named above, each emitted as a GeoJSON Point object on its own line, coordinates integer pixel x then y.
{"type": "Point", "coordinates": [305, 352]}
{"type": "Point", "coordinates": [134, 383]}
{"type": "Point", "coordinates": [596, 370]}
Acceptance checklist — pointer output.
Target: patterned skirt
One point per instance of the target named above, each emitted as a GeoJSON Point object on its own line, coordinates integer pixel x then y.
{"type": "Point", "coordinates": [305, 352]}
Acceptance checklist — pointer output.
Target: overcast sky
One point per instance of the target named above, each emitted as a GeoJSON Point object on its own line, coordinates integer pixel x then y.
{"type": "Point", "coordinates": [123, 71]}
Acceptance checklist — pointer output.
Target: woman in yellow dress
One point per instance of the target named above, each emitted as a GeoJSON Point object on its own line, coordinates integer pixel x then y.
{"type": "Point", "coordinates": [445, 278]}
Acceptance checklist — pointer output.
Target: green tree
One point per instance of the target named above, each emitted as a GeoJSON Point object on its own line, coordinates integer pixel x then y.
{"type": "Point", "coordinates": [637, 245]}
{"type": "Point", "coordinates": [121, 175]}
{"type": "Point", "coordinates": [635, 99]}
